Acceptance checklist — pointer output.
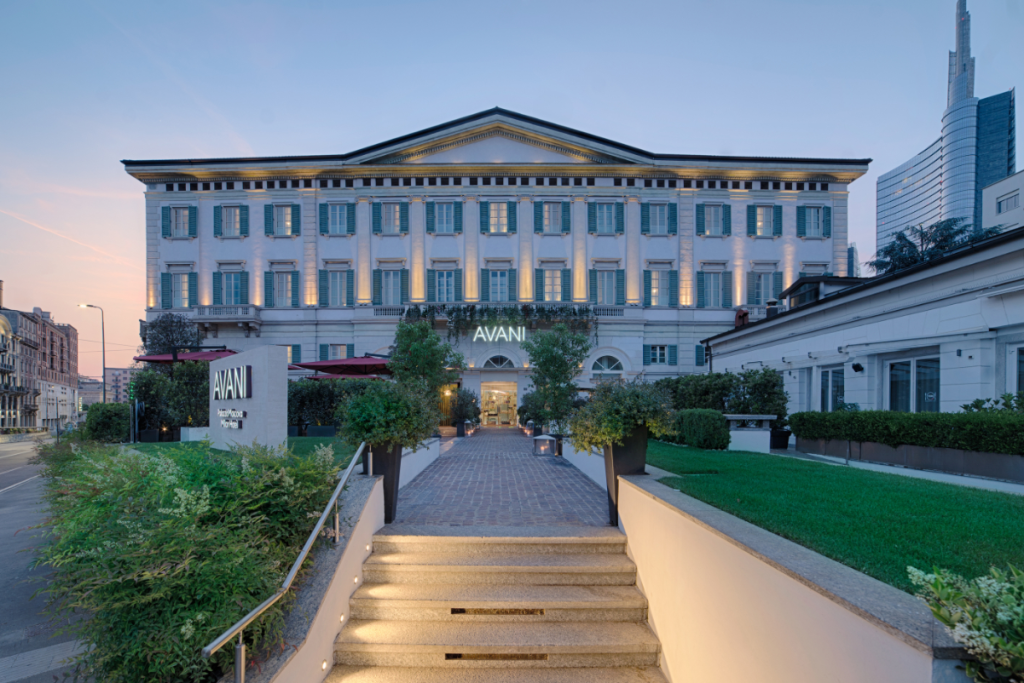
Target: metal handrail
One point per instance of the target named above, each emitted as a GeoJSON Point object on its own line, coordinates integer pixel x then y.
{"type": "Point", "coordinates": [240, 625]}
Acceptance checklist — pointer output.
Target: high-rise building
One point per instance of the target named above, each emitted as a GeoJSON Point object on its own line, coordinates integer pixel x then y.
{"type": "Point", "coordinates": [118, 380]}
{"type": "Point", "coordinates": [852, 261]}
{"type": "Point", "coordinates": [977, 147]}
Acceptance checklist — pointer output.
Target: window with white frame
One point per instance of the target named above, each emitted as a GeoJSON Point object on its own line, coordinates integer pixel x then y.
{"type": "Point", "coordinates": [833, 386]}
{"type": "Point", "coordinates": [605, 219]}
{"type": "Point", "coordinates": [338, 222]}
{"type": "Point", "coordinates": [552, 285]}
{"type": "Point", "coordinates": [552, 217]}
{"type": "Point", "coordinates": [232, 286]}
{"type": "Point", "coordinates": [813, 214]}
{"type": "Point", "coordinates": [499, 285]}
{"type": "Point", "coordinates": [606, 287]}
{"type": "Point", "coordinates": [445, 282]}
{"type": "Point", "coordinates": [337, 352]}
{"type": "Point", "coordinates": [713, 219]}
{"type": "Point", "coordinates": [914, 385]}
{"type": "Point", "coordinates": [391, 219]}
{"type": "Point", "coordinates": [391, 287]}
{"type": "Point", "coordinates": [337, 279]}
{"type": "Point", "coordinates": [713, 290]}
{"type": "Point", "coordinates": [659, 355]}
{"type": "Point", "coordinates": [659, 288]}
{"type": "Point", "coordinates": [765, 215]}
{"type": "Point", "coordinates": [606, 367]}
{"type": "Point", "coordinates": [229, 221]}
{"type": "Point", "coordinates": [179, 222]}
{"type": "Point", "coordinates": [283, 220]}
{"type": "Point", "coordinates": [763, 288]}
{"type": "Point", "coordinates": [499, 217]}
{"type": "Point", "coordinates": [659, 219]}
{"type": "Point", "coordinates": [444, 217]}
{"type": "Point", "coordinates": [179, 290]}
{"type": "Point", "coordinates": [1008, 203]}
{"type": "Point", "coordinates": [282, 290]}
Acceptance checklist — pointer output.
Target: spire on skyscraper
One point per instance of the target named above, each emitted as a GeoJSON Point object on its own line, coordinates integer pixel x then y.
{"type": "Point", "coordinates": [961, 63]}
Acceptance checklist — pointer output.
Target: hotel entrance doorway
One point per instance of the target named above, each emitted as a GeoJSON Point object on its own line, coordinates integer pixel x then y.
{"type": "Point", "coordinates": [498, 404]}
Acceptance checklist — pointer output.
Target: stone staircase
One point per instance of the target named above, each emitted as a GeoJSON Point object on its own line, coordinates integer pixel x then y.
{"type": "Point", "coordinates": [550, 609]}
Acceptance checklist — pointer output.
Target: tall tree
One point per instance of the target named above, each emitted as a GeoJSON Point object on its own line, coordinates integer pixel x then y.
{"type": "Point", "coordinates": [169, 332]}
{"type": "Point", "coordinates": [920, 244]}
{"type": "Point", "coordinates": [421, 357]}
{"type": "Point", "coordinates": [556, 361]}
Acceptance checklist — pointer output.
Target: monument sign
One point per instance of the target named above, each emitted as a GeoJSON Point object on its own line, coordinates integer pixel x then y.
{"type": "Point", "coordinates": [249, 398]}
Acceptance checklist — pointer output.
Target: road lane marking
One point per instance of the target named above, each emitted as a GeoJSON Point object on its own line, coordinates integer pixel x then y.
{"type": "Point", "coordinates": [11, 455]}
{"type": "Point", "coordinates": [33, 662]}
{"type": "Point", "coordinates": [18, 484]}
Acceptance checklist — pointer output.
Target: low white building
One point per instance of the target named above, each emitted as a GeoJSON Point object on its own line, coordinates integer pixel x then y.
{"type": "Point", "coordinates": [1001, 203]}
{"type": "Point", "coordinates": [928, 339]}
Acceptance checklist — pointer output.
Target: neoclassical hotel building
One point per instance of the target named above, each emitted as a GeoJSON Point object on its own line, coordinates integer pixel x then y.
{"type": "Point", "coordinates": [325, 254]}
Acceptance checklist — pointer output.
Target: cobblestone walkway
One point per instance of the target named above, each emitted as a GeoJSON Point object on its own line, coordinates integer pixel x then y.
{"type": "Point", "coordinates": [492, 478]}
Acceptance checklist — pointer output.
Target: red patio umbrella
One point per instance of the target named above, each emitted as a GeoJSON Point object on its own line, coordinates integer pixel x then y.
{"type": "Point", "coordinates": [189, 356]}
{"type": "Point", "coordinates": [363, 365]}
{"type": "Point", "coordinates": [342, 377]}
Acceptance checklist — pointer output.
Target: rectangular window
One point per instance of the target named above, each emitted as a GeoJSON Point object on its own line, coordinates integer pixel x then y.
{"type": "Point", "coordinates": [179, 224]}
{"type": "Point", "coordinates": [606, 287]}
{"type": "Point", "coordinates": [605, 219]}
{"type": "Point", "coordinates": [445, 286]}
{"type": "Point", "coordinates": [1020, 369]}
{"type": "Point", "coordinates": [1008, 204]}
{"type": "Point", "coordinates": [764, 220]}
{"type": "Point", "coordinates": [283, 220]}
{"type": "Point", "coordinates": [391, 219]}
{"type": "Point", "coordinates": [926, 384]}
{"type": "Point", "coordinates": [499, 217]}
{"type": "Point", "coordinates": [552, 217]}
{"type": "Point", "coordinates": [659, 219]}
{"type": "Point", "coordinates": [833, 385]}
{"type": "Point", "coordinates": [499, 284]}
{"type": "Point", "coordinates": [337, 280]}
{"type": "Point", "coordinates": [283, 290]}
{"type": "Point", "coordinates": [392, 287]}
{"type": "Point", "coordinates": [444, 218]}
{"type": "Point", "coordinates": [338, 224]}
{"type": "Point", "coordinates": [763, 289]}
{"type": "Point", "coordinates": [229, 221]}
{"type": "Point", "coordinates": [813, 221]}
{"type": "Point", "coordinates": [713, 290]}
{"type": "Point", "coordinates": [659, 288]}
{"type": "Point", "coordinates": [659, 355]}
{"type": "Point", "coordinates": [899, 386]}
{"type": "Point", "coordinates": [923, 376]}
{"type": "Point", "coordinates": [179, 290]}
{"type": "Point", "coordinates": [232, 283]}
{"type": "Point", "coordinates": [713, 219]}
{"type": "Point", "coordinates": [552, 284]}
{"type": "Point", "coordinates": [338, 352]}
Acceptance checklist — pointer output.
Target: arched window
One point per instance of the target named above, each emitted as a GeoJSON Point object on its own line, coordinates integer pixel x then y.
{"type": "Point", "coordinates": [606, 367]}
{"type": "Point", "coordinates": [498, 362]}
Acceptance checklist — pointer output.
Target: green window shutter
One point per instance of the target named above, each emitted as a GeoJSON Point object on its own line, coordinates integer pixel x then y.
{"type": "Point", "coordinates": [538, 217]}
{"type": "Point", "coordinates": [620, 218]}
{"type": "Point", "coordinates": [777, 221]}
{"type": "Point", "coordinates": [165, 221]}
{"type": "Point", "coordinates": [700, 220]}
{"type": "Point", "coordinates": [218, 221]}
{"type": "Point", "coordinates": [296, 220]}
{"type": "Point", "coordinates": [647, 288]}
{"type": "Point", "coordinates": [324, 229]}
{"type": "Point", "coordinates": [431, 284]}
{"type": "Point", "coordinates": [727, 289]}
{"type": "Point", "coordinates": [513, 217]}
{"type": "Point", "coordinates": [350, 350]}
{"type": "Point", "coordinates": [645, 218]}
{"type": "Point", "coordinates": [673, 218]}
{"type": "Point", "coordinates": [538, 285]}
{"type": "Point", "coordinates": [218, 292]}
{"type": "Point", "coordinates": [268, 219]}
{"type": "Point", "coordinates": [350, 219]}
{"type": "Point", "coordinates": [350, 288]}
{"type": "Point", "coordinates": [566, 218]}
{"type": "Point", "coordinates": [485, 284]}
{"type": "Point", "coordinates": [457, 214]}
{"type": "Point", "coordinates": [826, 221]}
{"type": "Point", "coordinates": [243, 220]}
{"type": "Point", "coordinates": [751, 220]}
{"type": "Point", "coordinates": [458, 284]}
{"type": "Point", "coordinates": [268, 289]}
{"type": "Point", "coordinates": [295, 288]}
{"type": "Point", "coordinates": [801, 221]}
{"type": "Point", "coordinates": [513, 284]}
{"type": "Point", "coordinates": [485, 217]}
{"type": "Point", "coordinates": [751, 288]}
{"type": "Point", "coordinates": [726, 219]}
{"type": "Point", "coordinates": [673, 354]}
{"type": "Point", "coordinates": [376, 214]}
{"type": "Point", "coordinates": [566, 282]}
{"type": "Point", "coordinates": [296, 353]}
{"type": "Point", "coordinates": [430, 219]}
{"type": "Point", "coordinates": [165, 290]}
{"type": "Point", "coordinates": [647, 354]}
{"type": "Point", "coordinates": [404, 283]}
{"type": "Point", "coordinates": [592, 218]}
{"type": "Point", "coordinates": [325, 351]}
{"type": "Point", "coordinates": [324, 287]}
{"type": "Point", "coordinates": [698, 355]}
{"type": "Point", "coordinates": [701, 298]}
{"type": "Point", "coordinates": [593, 285]}
{"type": "Point", "coordinates": [620, 287]}
{"type": "Point", "coordinates": [378, 287]}
{"type": "Point", "coordinates": [673, 288]}
{"type": "Point", "coordinates": [403, 217]}
{"type": "Point", "coordinates": [193, 221]}
{"type": "Point", "coordinates": [193, 290]}
{"type": "Point", "coordinates": [777, 284]}
{"type": "Point", "coordinates": [243, 287]}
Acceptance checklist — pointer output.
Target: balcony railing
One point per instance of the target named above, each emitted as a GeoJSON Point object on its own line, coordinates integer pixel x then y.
{"type": "Point", "coordinates": [388, 311]}
{"type": "Point", "coordinates": [240, 313]}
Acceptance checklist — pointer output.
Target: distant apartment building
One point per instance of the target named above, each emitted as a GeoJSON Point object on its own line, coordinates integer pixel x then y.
{"type": "Point", "coordinates": [117, 380]}
{"type": "Point", "coordinates": [89, 391]}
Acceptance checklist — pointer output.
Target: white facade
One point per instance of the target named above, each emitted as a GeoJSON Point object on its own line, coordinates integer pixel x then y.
{"type": "Point", "coordinates": [930, 338]}
{"type": "Point", "coordinates": [324, 254]}
{"type": "Point", "coordinates": [1001, 203]}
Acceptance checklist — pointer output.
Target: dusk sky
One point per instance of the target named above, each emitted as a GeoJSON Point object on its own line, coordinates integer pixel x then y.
{"type": "Point", "coordinates": [89, 84]}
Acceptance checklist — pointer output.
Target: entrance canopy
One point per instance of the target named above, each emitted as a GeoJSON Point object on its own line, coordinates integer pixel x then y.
{"type": "Point", "coordinates": [183, 357]}
{"type": "Point", "coordinates": [364, 365]}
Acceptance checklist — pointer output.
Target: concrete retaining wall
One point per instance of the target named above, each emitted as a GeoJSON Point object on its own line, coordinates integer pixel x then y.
{"type": "Point", "coordinates": [591, 465]}
{"type": "Point", "coordinates": [416, 460]}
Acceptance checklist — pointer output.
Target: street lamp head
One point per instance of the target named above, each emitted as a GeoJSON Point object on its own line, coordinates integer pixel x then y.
{"type": "Point", "coordinates": [83, 305]}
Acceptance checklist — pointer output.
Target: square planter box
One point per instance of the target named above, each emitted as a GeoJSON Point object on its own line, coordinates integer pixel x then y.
{"type": "Point", "coordinates": [149, 435]}
{"type": "Point", "coordinates": [320, 431]}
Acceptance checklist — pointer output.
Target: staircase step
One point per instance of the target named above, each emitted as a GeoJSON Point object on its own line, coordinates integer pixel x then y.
{"type": "Point", "coordinates": [433, 602]}
{"type": "Point", "coordinates": [495, 645]}
{"type": "Point", "coordinates": [494, 568]}
{"type": "Point", "coordinates": [608, 541]}
{"type": "Point", "coordinates": [440, 674]}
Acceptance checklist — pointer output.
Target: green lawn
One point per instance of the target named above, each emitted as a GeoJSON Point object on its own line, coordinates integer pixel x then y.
{"type": "Point", "coordinates": [300, 445]}
{"type": "Point", "coordinates": [876, 523]}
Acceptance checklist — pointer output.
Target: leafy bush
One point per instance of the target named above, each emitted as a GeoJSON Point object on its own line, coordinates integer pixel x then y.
{"type": "Point", "coordinates": [992, 432]}
{"type": "Point", "coordinates": [466, 406]}
{"type": "Point", "coordinates": [753, 392]}
{"type": "Point", "coordinates": [985, 615]}
{"type": "Point", "coordinates": [421, 357]}
{"type": "Point", "coordinates": [709, 391]}
{"type": "Point", "coordinates": [316, 402]}
{"type": "Point", "coordinates": [707, 429]}
{"type": "Point", "coordinates": [994, 405]}
{"type": "Point", "coordinates": [166, 551]}
{"type": "Point", "coordinates": [386, 413]}
{"type": "Point", "coordinates": [107, 422]}
{"type": "Point", "coordinates": [188, 396]}
{"type": "Point", "coordinates": [616, 409]}
{"type": "Point", "coordinates": [530, 408]}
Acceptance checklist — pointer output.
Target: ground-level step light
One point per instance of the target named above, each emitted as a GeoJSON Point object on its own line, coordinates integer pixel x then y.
{"type": "Point", "coordinates": [544, 445]}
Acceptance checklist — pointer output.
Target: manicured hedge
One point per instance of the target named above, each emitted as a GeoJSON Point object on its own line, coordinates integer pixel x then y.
{"type": "Point", "coordinates": [996, 432]}
{"type": "Point", "coordinates": [107, 422]}
{"type": "Point", "coordinates": [707, 429]}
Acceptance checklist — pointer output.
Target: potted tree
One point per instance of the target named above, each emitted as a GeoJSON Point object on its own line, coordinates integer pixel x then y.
{"type": "Point", "coordinates": [556, 361]}
{"type": "Point", "coordinates": [466, 409]}
{"type": "Point", "coordinates": [388, 417]}
{"type": "Point", "coordinates": [617, 419]}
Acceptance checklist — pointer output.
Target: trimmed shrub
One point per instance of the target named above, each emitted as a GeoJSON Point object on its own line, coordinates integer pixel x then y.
{"type": "Point", "coordinates": [386, 413]}
{"type": "Point", "coordinates": [990, 432]}
{"type": "Point", "coordinates": [107, 422]}
{"type": "Point", "coordinates": [707, 429]}
{"type": "Point", "coordinates": [754, 392]}
{"type": "Point", "coordinates": [616, 409]}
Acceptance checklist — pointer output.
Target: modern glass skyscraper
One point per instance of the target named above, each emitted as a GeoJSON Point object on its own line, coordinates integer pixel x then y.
{"type": "Point", "coordinates": [977, 147]}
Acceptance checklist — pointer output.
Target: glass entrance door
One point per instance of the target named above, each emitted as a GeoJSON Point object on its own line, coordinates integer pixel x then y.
{"type": "Point", "coordinates": [498, 404]}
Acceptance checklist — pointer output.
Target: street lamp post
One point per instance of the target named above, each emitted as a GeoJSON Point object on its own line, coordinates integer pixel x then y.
{"type": "Point", "coordinates": [103, 347]}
